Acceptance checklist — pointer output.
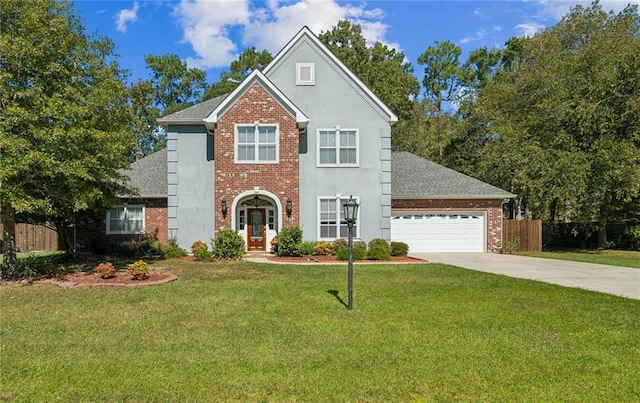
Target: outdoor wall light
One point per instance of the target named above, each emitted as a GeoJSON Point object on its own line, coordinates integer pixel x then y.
{"type": "Point", "coordinates": [223, 207]}
{"type": "Point", "coordinates": [256, 200]}
{"type": "Point", "coordinates": [289, 207]}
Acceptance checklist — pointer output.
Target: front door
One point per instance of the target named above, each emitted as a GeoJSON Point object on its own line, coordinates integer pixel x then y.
{"type": "Point", "coordinates": [257, 229]}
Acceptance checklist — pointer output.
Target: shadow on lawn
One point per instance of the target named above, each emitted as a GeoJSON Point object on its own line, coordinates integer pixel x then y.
{"type": "Point", "coordinates": [335, 294]}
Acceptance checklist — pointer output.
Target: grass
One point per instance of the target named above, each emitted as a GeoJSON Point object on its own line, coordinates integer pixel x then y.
{"type": "Point", "coordinates": [624, 258]}
{"type": "Point", "coordinates": [254, 332]}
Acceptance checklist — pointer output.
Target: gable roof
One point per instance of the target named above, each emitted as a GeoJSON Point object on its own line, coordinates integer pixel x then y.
{"type": "Point", "coordinates": [306, 34]}
{"type": "Point", "coordinates": [193, 114]}
{"type": "Point", "coordinates": [256, 77]}
{"type": "Point", "coordinates": [415, 177]}
{"type": "Point", "coordinates": [149, 175]}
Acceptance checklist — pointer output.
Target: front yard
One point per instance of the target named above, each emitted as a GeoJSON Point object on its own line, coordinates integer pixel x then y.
{"type": "Point", "coordinates": [244, 331]}
{"type": "Point", "coordinates": [624, 258]}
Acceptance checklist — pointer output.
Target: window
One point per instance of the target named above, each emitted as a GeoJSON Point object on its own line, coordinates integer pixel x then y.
{"type": "Point", "coordinates": [125, 220]}
{"type": "Point", "coordinates": [305, 74]}
{"type": "Point", "coordinates": [332, 222]}
{"type": "Point", "coordinates": [256, 143]}
{"type": "Point", "coordinates": [338, 147]}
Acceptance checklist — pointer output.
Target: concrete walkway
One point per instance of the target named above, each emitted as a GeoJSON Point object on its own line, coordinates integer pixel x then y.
{"type": "Point", "coordinates": [615, 280]}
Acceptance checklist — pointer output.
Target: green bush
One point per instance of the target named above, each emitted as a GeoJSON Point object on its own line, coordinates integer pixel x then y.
{"type": "Point", "coordinates": [138, 270]}
{"type": "Point", "coordinates": [360, 245]}
{"type": "Point", "coordinates": [307, 248]}
{"type": "Point", "coordinates": [338, 244]}
{"type": "Point", "coordinates": [204, 255]}
{"type": "Point", "coordinates": [343, 254]}
{"type": "Point", "coordinates": [128, 249]}
{"type": "Point", "coordinates": [173, 251]}
{"type": "Point", "coordinates": [290, 241]}
{"type": "Point", "coordinates": [379, 250]}
{"type": "Point", "coordinates": [633, 234]}
{"type": "Point", "coordinates": [105, 270]}
{"type": "Point", "coordinates": [399, 248]}
{"type": "Point", "coordinates": [228, 245]}
{"type": "Point", "coordinates": [198, 246]}
{"type": "Point", "coordinates": [323, 248]}
{"type": "Point", "coordinates": [149, 247]}
{"type": "Point", "coordinates": [510, 247]}
{"type": "Point", "coordinates": [34, 265]}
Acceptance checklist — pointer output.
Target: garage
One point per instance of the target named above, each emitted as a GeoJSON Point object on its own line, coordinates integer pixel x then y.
{"type": "Point", "coordinates": [440, 231]}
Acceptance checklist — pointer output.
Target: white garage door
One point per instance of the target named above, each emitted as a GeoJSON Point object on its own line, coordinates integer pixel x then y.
{"type": "Point", "coordinates": [440, 232]}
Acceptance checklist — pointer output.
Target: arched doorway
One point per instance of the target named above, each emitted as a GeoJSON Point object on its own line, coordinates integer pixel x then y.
{"type": "Point", "coordinates": [257, 220]}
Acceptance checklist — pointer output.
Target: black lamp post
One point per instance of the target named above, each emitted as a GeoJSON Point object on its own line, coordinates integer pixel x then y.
{"type": "Point", "coordinates": [350, 208]}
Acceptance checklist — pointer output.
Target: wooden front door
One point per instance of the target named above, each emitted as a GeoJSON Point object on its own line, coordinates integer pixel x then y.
{"type": "Point", "coordinates": [256, 231]}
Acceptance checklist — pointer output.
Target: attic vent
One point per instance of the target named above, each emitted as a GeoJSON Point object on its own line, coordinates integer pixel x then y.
{"type": "Point", "coordinates": [305, 74]}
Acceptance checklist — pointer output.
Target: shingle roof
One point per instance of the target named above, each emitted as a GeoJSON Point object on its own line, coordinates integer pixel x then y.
{"type": "Point", "coordinates": [411, 177]}
{"type": "Point", "coordinates": [195, 113]}
{"type": "Point", "coordinates": [416, 177]}
{"type": "Point", "coordinates": [149, 175]}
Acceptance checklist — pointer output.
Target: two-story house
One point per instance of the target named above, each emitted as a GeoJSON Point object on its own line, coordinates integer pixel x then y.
{"type": "Point", "coordinates": [288, 147]}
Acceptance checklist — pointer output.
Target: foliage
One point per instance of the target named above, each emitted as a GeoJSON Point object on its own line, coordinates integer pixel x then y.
{"type": "Point", "coordinates": [173, 251]}
{"type": "Point", "coordinates": [633, 234]}
{"type": "Point", "coordinates": [105, 270]}
{"type": "Point", "coordinates": [399, 248]}
{"type": "Point", "coordinates": [339, 243]}
{"type": "Point", "coordinates": [35, 264]}
{"type": "Point", "coordinates": [149, 247]}
{"type": "Point", "coordinates": [198, 246]}
{"type": "Point", "coordinates": [323, 248]}
{"type": "Point", "coordinates": [511, 246]}
{"type": "Point", "coordinates": [63, 129]}
{"type": "Point", "coordinates": [562, 124]}
{"type": "Point", "coordinates": [360, 245]}
{"type": "Point", "coordinates": [307, 248]}
{"type": "Point", "coordinates": [382, 69]}
{"type": "Point", "coordinates": [290, 241]}
{"type": "Point", "coordinates": [248, 61]}
{"type": "Point", "coordinates": [138, 270]}
{"type": "Point", "coordinates": [227, 244]}
{"type": "Point", "coordinates": [358, 254]}
{"type": "Point", "coordinates": [379, 249]}
{"type": "Point", "coordinates": [204, 255]}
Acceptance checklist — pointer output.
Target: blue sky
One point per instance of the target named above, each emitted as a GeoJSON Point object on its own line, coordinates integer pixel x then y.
{"type": "Point", "coordinates": [209, 34]}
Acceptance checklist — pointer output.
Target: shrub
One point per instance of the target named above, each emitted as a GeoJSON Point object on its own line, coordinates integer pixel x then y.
{"type": "Point", "coordinates": [343, 254]}
{"type": "Point", "coordinates": [633, 234]}
{"type": "Point", "coordinates": [307, 248]}
{"type": "Point", "coordinates": [290, 241]}
{"type": "Point", "coordinates": [360, 245]}
{"type": "Point", "coordinates": [35, 265]}
{"type": "Point", "coordinates": [149, 247]}
{"type": "Point", "coordinates": [399, 248]}
{"type": "Point", "coordinates": [204, 255]}
{"type": "Point", "coordinates": [323, 248]}
{"type": "Point", "coordinates": [126, 249]}
{"type": "Point", "coordinates": [379, 250]}
{"type": "Point", "coordinates": [510, 247]}
{"type": "Point", "coordinates": [173, 251]}
{"type": "Point", "coordinates": [338, 244]}
{"type": "Point", "coordinates": [198, 246]}
{"type": "Point", "coordinates": [105, 270]}
{"type": "Point", "coordinates": [228, 245]}
{"type": "Point", "coordinates": [138, 270]}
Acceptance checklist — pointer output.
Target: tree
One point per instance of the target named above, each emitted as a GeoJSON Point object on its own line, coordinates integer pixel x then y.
{"type": "Point", "coordinates": [382, 69]}
{"type": "Point", "coordinates": [248, 61]}
{"type": "Point", "coordinates": [564, 118]}
{"type": "Point", "coordinates": [63, 125]}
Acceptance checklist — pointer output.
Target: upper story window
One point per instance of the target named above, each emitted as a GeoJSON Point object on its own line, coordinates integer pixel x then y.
{"type": "Point", "coordinates": [305, 74]}
{"type": "Point", "coordinates": [125, 220]}
{"type": "Point", "coordinates": [257, 143]}
{"type": "Point", "coordinates": [338, 147]}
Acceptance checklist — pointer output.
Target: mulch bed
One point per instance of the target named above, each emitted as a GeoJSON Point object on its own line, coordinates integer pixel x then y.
{"type": "Point", "coordinates": [122, 279]}
{"type": "Point", "coordinates": [334, 259]}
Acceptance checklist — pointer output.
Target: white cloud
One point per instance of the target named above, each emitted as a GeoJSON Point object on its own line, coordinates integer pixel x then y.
{"type": "Point", "coordinates": [529, 29]}
{"type": "Point", "coordinates": [215, 28]}
{"type": "Point", "coordinates": [559, 8]}
{"type": "Point", "coordinates": [479, 35]}
{"type": "Point", "coordinates": [479, 14]}
{"type": "Point", "coordinates": [126, 16]}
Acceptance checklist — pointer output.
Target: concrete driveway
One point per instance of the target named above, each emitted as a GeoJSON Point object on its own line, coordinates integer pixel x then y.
{"type": "Point", "coordinates": [615, 280]}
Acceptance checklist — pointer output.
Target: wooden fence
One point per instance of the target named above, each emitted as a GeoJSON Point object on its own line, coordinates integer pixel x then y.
{"type": "Point", "coordinates": [30, 237]}
{"type": "Point", "coordinates": [529, 232]}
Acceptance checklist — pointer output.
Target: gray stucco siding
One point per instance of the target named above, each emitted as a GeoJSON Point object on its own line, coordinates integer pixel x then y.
{"type": "Point", "coordinates": [191, 207]}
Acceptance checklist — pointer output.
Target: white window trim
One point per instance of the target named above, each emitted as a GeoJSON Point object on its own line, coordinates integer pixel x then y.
{"type": "Point", "coordinates": [340, 201]}
{"type": "Point", "coordinates": [299, 80]}
{"type": "Point", "coordinates": [336, 131]}
{"type": "Point", "coordinates": [126, 232]}
{"type": "Point", "coordinates": [256, 125]}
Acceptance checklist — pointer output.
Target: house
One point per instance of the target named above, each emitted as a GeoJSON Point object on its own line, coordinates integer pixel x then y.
{"type": "Point", "coordinates": [288, 147]}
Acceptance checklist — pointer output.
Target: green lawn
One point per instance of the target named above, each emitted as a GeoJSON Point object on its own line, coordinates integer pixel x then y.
{"type": "Point", "coordinates": [255, 332]}
{"type": "Point", "coordinates": [623, 258]}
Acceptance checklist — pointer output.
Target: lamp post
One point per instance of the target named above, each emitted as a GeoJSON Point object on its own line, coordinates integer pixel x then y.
{"type": "Point", "coordinates": [350, 208]}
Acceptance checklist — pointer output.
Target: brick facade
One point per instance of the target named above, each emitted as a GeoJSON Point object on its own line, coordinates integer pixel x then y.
{"type": "Point", "coordinates": [493, 209]}
{"type": "Point", "coordinates": [281, 179]}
